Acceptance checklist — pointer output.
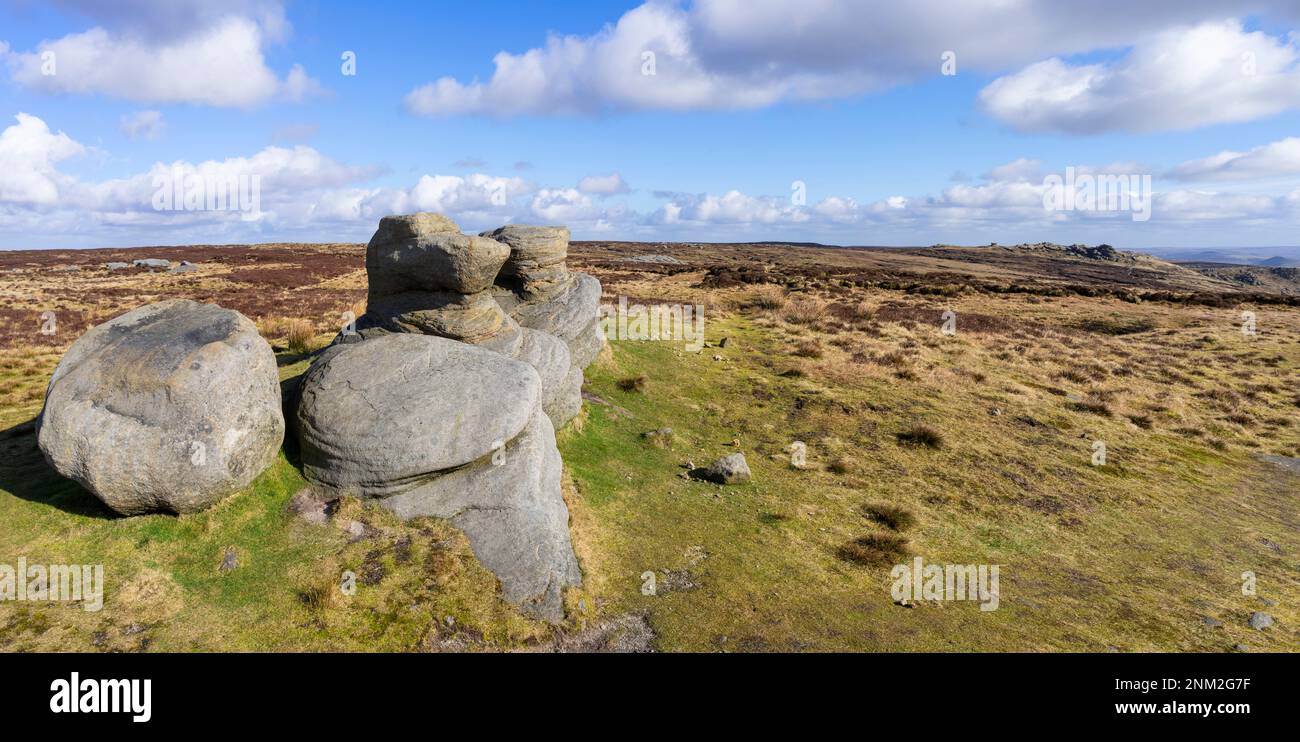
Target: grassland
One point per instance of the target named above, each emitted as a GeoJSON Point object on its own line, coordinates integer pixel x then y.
{"type": "Point", "coordinates": [972, 447]}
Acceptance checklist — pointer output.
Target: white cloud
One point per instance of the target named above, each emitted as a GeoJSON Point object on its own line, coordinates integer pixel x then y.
{"type": "Point", "coordinates": [142, 125]}
{"type": "Point", "coordinates": [305, 193]}
{"type": "Point", "coordinates": [736, 54]}
{"type": "Point", "coordinates": [562, 206]}
{"type": "Point", "coordinates": [1213, 73]}
{"type": "Point", "coordinates": [188, 56]}
{"type": "Point", "coordinates": [603, 185]}
{"type": "Point", "coordinates": [1276, 159]}
{"type": "Point", "coordinates": [1018, 170]}
{"type": "Point", "coordinates": [29, 153]}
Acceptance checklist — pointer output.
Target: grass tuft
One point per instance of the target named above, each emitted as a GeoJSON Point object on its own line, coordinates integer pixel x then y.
{"type": "Point", "coordinates": [922, 435]}
{"type": "Point", "coordinates": [894, 517]}
{"type": "Point", "coordinates": [875, 550]}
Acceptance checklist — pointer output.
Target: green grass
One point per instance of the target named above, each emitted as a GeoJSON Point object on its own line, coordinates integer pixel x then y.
{"type": "Point", "coordinates": [1129, 555]}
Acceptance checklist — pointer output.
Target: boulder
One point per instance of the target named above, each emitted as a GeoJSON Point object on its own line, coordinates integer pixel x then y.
{"type": "Point", "coordinates": [1260, 621]}
{"type": "Point", "coordinates": [510, 508]}
{"type": "Point", "coordinates": [535, 269]}
{"type": "Point", "coordinates": [472, 318]}
{"type": "Point", "coordinates": [427, 252]}
{"type": "Point", "coordinates": [561, 382]}
{"type": "Point", "coordinates": [151, 263]}
{"type": "Point", "coordinates": [428, 278]}
{"type": "Point", "coordinates": [375, 416]}
{"type": "Point", "coordinates": [169, 407]}
{"type": "Point", "coordinates": [731, 469]}
{"type": "Point", "coordinates": [435, 427]}
{"type": "Point", "coordinates": [571, 314]}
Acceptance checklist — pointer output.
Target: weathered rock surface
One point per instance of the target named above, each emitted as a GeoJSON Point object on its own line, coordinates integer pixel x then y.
{"type": "Point", "coordinates": [561, 382]}
{"type": "Point", "coordinates": [510, 507]}
{"type": "Point", "coordinates": [730, 469]}
{"type": "Point", "coordinates": [472, 318]}
{"type": "Point", "coordinates": [377, 416]}
{"type": "Point", "coordinates": [169, 407]}
{"type": "Point", "coordinates": [570, 314]}
{"type": "Point", "coordinates": [441, 428]}
{"type": "Point", "coordinates": [428, 252]}
{"type": "Point", "coordinates": [535, 269]}
{"type": "Point", "coordinates": [428, 278]}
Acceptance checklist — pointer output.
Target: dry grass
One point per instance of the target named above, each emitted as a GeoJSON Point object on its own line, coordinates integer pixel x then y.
{"type": "Point", "coordinates": [894, 517]}
{"type": "Point", "coordinates": [766, 297]}
{"type": "Point", "coordinates": [922, 435]}
{"type": "Point", "coordinates": [805, 310]}
{"type": "Point", "coordinates": [634, 383]}
{"type": "Point", "coordinates": [298, 335]}
{"type": "Point", "coordinates": [875, 550]}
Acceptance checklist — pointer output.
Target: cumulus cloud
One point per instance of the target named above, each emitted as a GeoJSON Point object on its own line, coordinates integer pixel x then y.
{"type": "Point", "coordinates": [165, 52]}
{"type": "Point", "coordinates": [29, 154]}
{"type": "Point", "coordinates": [736, 54]}
{"type": "Point", "coordinates": [1276, 159]}
{"type": "Point", "coordinates": [1212, 73]}
{"type": "Point", "coordinates": [603, 185]}
{"type": "Point", "coordinates": [1021, 169]}
{"type": "Point", "coordinates": [142, 125]}
{"type": "Point", "coordinates": [306, 193]}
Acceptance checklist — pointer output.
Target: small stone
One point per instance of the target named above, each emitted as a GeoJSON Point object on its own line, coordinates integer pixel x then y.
{"type": "Point", "coordinates": [1268, 603]}
{"type": "Point", "coordinates": [356, 530]}
{"type": "Point", "coordinates": [310, 507]}
{"type": "Point", "coordinates": [116, 266]}
{"type": "Point", "coordinates": [1260, 621]}
{"type": "Point", "coordinates": [1241, 647]}
{"type": "Point", "coordinates": [1211, 622]}
{"type": "Point", "coordinates": [450, 621]}
{"type": "Point", "coordinates": [717, 358]}
{"type": "Point", "coordinates": [229, 560]}
{"type": "Point", "coordinates": [731, 469]}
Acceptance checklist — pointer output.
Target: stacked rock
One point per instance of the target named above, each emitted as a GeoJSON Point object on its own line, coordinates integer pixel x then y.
{"type": "Point", "coordinates": [427, 277]}
{"type": "Point", "coordinates": [536, 289]}
{"type": "Point", "coordinates": [443, 404]}
{"type": "Point", "coordinates": [435, 427]}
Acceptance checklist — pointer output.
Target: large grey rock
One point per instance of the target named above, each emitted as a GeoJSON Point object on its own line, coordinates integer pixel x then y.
{"type": "Point", "coordinates": [572, 315]}
{"type": "Point", "coordinates": [375, 416]}
{"type": "Point", "coordinates": [427, 252]}
{"type": "Point", "coordinates": [169, 407]}
{"type": "Point", "coordinates": [441, 428]}
{"type": "Point", "coordinates": [561, 382]}
{"type": "Point", "coordinates": [472, 318]}
{"type": "Point", "coordinates": [510, 507]}
{"type": "Point", "coordinates": [535, 269]}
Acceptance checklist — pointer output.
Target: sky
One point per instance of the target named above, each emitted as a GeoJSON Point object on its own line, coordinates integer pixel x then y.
{"type": "Point", "coordinates": [851, 122]}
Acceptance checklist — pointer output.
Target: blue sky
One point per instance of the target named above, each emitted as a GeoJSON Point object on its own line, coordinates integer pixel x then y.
{"type": "Point", "coordinates": [498, 112]}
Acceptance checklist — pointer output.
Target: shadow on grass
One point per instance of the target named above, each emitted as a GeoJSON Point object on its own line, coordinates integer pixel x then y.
{"type": "Point", "coordinates": [25, 474]}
